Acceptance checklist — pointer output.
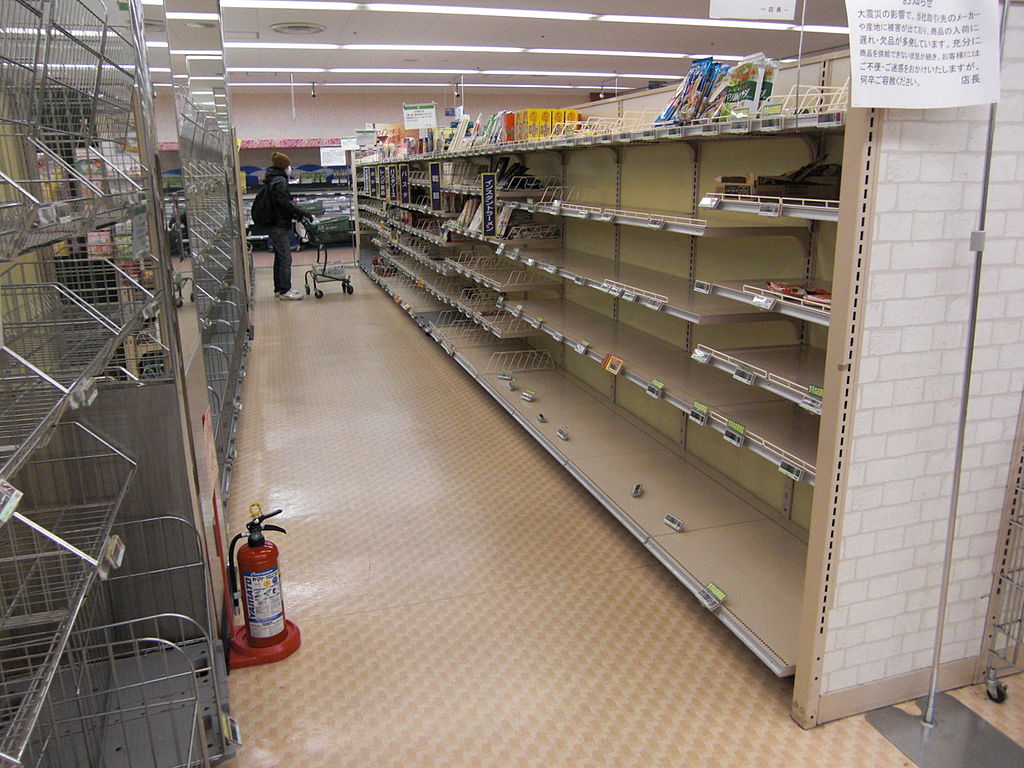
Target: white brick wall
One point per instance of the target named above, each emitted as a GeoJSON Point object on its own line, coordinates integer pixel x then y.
{"type": "Point", "coordinates": [882, 621]}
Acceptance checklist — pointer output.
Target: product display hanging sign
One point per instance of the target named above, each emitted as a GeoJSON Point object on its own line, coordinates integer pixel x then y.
{"type": "Point", "coordinates": [381, 182]}
{"type": "Point", "coordinates": [332, 156]}
{"type": "Point", "coordinates": [922, 55]}
{"type": "Point", "coordinates": [403, 183]}
{"type": "Point", "coordinates": [776, 10]}
{"type": "Point", "coordinates": [435, 186]}
{"type": "Point", "coordinates": [393, 183]}
{"type": "Point", "coordinates": [419, 116]}
{"type": "Point", "coordinates": [489, 190]}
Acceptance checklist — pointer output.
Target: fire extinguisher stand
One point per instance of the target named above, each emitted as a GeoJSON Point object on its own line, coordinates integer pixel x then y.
{"type": "Point", "coordinates": [265, 635]}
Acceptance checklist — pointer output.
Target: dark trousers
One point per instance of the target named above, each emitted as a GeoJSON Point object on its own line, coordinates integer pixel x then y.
{"type": "Point", "coordinates": [282, 259]}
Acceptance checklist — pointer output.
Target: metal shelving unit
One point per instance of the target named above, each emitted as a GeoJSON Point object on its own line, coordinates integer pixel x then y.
{"type": "Point", "coordinates": [721, 363]}
{"type": "Point", "coordinates": [221, 269]}
{"type": "Point", "coordinates": [88, 349]}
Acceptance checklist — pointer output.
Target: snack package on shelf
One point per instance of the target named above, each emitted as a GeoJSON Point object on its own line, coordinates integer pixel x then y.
{"type": "Point", "coordinates": [818, 180]}
{"type": "Point", "coordinates": [750, 84]}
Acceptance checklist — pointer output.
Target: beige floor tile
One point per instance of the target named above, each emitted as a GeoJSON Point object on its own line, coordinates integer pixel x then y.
{"type": "Point", "coordinates": [462, 600]}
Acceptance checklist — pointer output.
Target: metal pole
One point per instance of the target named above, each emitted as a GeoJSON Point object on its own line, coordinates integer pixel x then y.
{"type": "Point", "coordinates": [978, 246]}
{"type": "Point", "coordinates": [799, 57]}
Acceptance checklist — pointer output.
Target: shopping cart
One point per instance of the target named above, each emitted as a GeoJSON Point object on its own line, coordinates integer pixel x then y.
{"type": "Point", "coordinates": [321, 232]}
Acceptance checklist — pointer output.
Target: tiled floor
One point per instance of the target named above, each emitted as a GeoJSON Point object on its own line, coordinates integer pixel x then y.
{"type": "Point", "coordinates": [465, 603]}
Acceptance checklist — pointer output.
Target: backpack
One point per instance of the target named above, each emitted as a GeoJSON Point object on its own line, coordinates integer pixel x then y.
{"type": "Point", "coordinates": [263, 213]}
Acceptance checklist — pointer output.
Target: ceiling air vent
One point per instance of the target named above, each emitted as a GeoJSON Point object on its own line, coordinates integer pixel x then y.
{"type": "Point", "coordinates": [298, 28]}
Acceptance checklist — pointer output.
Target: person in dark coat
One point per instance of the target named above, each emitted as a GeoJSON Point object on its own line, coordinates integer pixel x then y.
{"type": "Point", "coordinates": [276, 176]}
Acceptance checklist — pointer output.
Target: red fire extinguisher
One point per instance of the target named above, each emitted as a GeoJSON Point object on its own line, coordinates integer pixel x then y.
{"type": "Point", "coordinates": [266, 635]}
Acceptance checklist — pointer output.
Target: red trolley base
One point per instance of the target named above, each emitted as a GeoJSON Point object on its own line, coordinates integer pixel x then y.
{"type": "Point", "coordinates": [245, 655]}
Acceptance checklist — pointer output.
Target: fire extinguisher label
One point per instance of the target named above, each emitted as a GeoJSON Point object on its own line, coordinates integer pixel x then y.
{"type": "Point", "coordinates": [263, 601]}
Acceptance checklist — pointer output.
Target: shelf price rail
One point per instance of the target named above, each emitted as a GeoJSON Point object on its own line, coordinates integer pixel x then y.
{"type": "Point", "coordinates": [730, 420]}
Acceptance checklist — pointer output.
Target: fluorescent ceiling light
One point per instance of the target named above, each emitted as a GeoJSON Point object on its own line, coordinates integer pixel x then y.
{"type": "Point", "coordinates": [157, 44]}
{"type": "Point", "coordinates": [192, 16]}
{"type": "Point", "coordinates": [181, 76]}
{"type": "Point", "coordinates": [632, 54]}
{"type": "Point", "coordinates": [546, 73]}
{"type": "Point", "coordinates": [207, 77]}
{"type": "Point", "coordinates": [289, 5]}
{"type": "Point", "coordinates": [518, 13]}
{"type": "Point", "coordinates": [163, 85]}
{"type": "Point", "coordinates": [283, 70]}
{"type": "Point", "coordinates": [723, 23]}
{"type": "Point", "coordinates": [397, 71]}
{"type": "Point", "coordinates": [157, 69]}
{"type": "Point", "coordinates": [289, 46]}
{"type": "Point", "coordinates": [195, 52]}
{"type": "Point", "coordinates": [651, 77]}
{"type": "Point", "coordinates": [402, 47]}
{"type": "Point", "coordinates": [152, 2]}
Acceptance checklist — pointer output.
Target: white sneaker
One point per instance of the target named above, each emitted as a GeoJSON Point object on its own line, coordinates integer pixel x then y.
{"type": "Point", "coordinates": [292, 295]}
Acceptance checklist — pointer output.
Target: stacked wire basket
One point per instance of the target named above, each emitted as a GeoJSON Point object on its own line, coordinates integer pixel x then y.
{"type": "Point", "coordinates": [91, 673]}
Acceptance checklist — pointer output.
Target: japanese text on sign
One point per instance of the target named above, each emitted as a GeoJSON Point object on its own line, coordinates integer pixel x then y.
{"type": "Point", "coordinates": [779, 10]}
{"type": "Point", "coordinates": [920, 54]}
{"type": "Point", "coordinates": [435, 186]}
{"type": "Point", "coordinates": [419, 116]}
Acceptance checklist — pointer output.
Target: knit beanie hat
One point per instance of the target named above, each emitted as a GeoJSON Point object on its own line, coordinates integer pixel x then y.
{"type": "Point", "coordinates": [280, 160]}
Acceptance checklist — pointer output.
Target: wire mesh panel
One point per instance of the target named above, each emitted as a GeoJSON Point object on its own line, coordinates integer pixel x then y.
{"type": "Point", "coordinates": [74, 488]}
{"type": "Point", "coordinates": [219, 266]}
{"type": "Point", "coordinates": [66, 124]}
{"type": "Point", "coordinates": [127, 696]}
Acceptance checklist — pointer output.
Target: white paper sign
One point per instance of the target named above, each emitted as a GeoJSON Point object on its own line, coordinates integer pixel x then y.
{"type": "Point", "coordinates": [923, 54]}
{"type": "Point", "coordinates": [777, 10]}
{"type": "Point", "coordinates": [419, 115]}
{"type": "Point", "coordinates": [332, 156]}
{"type": "Point", "coordinates": [366, 138]}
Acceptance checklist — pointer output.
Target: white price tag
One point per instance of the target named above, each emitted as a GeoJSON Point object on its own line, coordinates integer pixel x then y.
{"type": "Point", "coordinates": [744, 376]}
{"type": "Point", "coordinates": [550, 268]}
{"type": "Point", "coordinates": [710, 201]}
{"type": "Point", "coordinates": [769, 209]}
{"type": "Point", "coordinates": [579, 279]}
{"type": "Point", "coordinates": [700, 355]}
{"type": "Point", "coordinates": [764, 302]}
{"type": "Point", "coordinates": [674, 523]}
{"type": "Point", "coordinates": [556, 335]}
{"type": "Point", "coordinates": [701, 286]}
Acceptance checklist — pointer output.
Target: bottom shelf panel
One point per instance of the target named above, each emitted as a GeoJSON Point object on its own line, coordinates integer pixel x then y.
{"type": "Point", "coordinates": [756, 561]}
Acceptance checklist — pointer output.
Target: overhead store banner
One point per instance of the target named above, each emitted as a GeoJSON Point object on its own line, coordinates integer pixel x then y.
{"type": "Point", "coordinates": [419, 115]}
{"type": "Point", "coordinates": [435, 186]}
{"type": "Point", "coordinates": [923, 54]}
{"type": "Point", "coordinates": [489, 190]}
{"type": "Point", "coordinates": [776, 10]}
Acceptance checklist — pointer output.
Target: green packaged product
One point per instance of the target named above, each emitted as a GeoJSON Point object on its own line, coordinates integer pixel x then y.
{"type": "Point", "coordinates": [750, 84]}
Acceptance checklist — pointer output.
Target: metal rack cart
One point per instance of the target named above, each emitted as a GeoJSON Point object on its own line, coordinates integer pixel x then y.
{"type": "Point", "coordinates": [108, 653]}
{"type": "Point", "coordinates": [1006, 610]}
{"type": "Point", "coordinates": [322, 270]}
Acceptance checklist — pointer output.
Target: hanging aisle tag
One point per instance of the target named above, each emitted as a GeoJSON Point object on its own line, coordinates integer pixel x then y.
{"type": "Point", "coordinates": [435, 186]}
{"type": "Point", "coordinates": [382, 175]}
{"type": "Point", "coordinates": [393, 183]}
{"type": "Point", "coordinates": [403, 181]}
{"type": "Point", "coordinates": [489, 190]}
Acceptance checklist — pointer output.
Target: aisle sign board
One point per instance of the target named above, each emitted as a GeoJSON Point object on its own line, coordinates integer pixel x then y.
{"type": "Point", "coordinates": [923, 55]}
{"type": "Point", "coordinates": [419, 116]}
{"type": "Point", "coordinates": [393, 183]}
{"type": "Point", "coordinates": [403, 177]}
{"type": "Point", "coordinates": [489, 189]}
{"type": "Point", "coordinates": [435, 186]}
{"type": "Point", "coordinates": [381, 181]}
{"type": "Point", "coordinates": [371, 182]}
{"type": "Point", "coordinates": [332, 156]}
{"type": "Point", "coordinates": [776, 10]}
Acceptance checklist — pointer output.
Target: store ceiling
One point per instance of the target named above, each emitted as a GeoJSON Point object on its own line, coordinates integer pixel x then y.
{"type": "Point", "coordinates": [255, 53]}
